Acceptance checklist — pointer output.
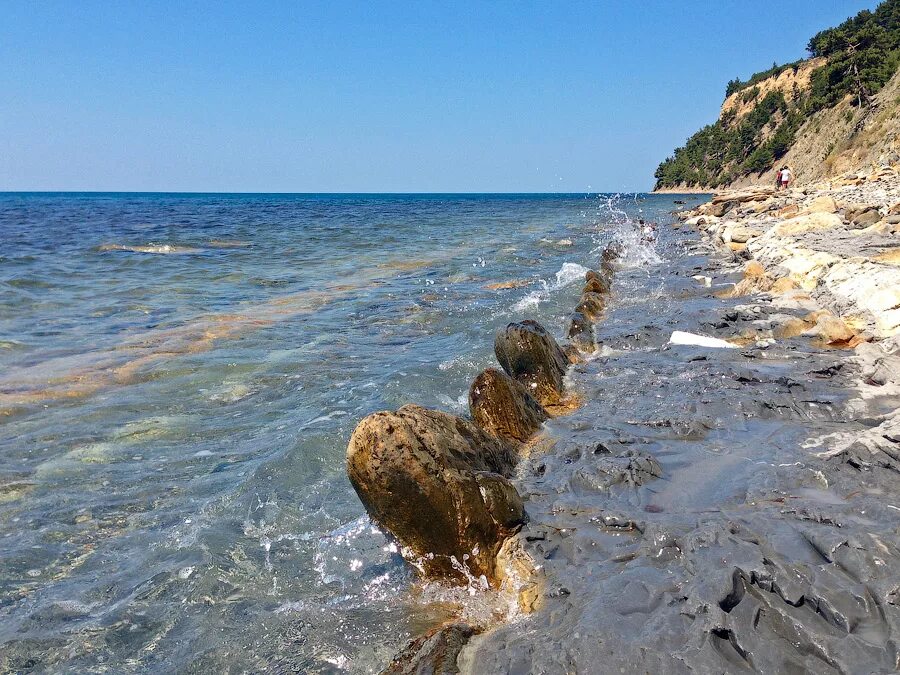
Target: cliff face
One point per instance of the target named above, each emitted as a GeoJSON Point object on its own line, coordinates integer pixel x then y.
{"type": "Point", "coordinates": [790, 83]}
{"type": "Point", "coordinates": [835, 113]}
{"type": "Point", "coordinates": [841, 140]}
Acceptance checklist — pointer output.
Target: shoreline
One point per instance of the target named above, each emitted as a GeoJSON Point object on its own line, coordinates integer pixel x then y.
{"type": "Point", "coordinates": [792, 310]}
{"type": "Point", "coordinates": [835, 246]}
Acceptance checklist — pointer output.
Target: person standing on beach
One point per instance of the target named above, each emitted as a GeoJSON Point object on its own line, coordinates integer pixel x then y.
{"type": "Point", "coordinates": [786, 177]}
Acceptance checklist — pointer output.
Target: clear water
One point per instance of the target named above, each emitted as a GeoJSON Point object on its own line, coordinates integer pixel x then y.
{"type": "Point", "coordinates": [179, 376]}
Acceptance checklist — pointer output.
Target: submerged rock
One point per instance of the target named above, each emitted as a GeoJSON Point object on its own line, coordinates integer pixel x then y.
{"type": "Point", "coordinates": [434, 653]}
{"type": "Point", "coordinates": [591, 305]}
{"type": "Point", "coordinates": [612, 251]}
{"type": "Point", "coordinates": [439, 484]}
{"type": "Point", "coordinates": [596, 283]}
{"type": "Point", "coordinates": [581, 332]}
{"type": "Point", "coordinates": [503, 407]}
{"type": "Point", "coordinates": [528, 353]}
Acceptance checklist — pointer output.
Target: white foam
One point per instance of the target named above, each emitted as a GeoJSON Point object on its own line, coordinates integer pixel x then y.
{"type": "Point", "coordinates": [568, 274]}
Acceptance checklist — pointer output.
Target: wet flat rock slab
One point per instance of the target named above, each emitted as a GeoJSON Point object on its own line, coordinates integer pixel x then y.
{"type": "Point", "coordinates": [708, 510]}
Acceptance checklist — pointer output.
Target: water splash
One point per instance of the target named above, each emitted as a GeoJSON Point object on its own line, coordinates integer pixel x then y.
{"type": "Point", "coordinates": [615, 224]}
{"type": "Point", "coordinates": [568, 274]}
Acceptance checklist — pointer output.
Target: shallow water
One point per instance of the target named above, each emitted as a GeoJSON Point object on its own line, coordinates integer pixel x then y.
{"type": "Point", "coordinates": [179, 376]}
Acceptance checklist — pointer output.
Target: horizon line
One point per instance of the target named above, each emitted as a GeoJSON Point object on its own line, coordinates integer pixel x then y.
{"type": "Point", "coordinates": [228, 192]}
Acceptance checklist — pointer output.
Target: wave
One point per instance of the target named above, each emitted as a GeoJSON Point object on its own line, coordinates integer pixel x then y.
{"type": "Point", "coordinates": [164, 249]}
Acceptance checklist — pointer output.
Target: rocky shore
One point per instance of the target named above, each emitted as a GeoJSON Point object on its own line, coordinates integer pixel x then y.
{"type": "Point", "coordinates": [705, 509]}
{"type": "Point", "coordinates": [441, 484]}
{"type": "Point", "coordinates": [833, 248]}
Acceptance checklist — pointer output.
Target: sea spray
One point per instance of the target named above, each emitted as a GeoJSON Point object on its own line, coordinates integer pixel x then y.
{"type": "Point", "coordinates": [568, 274]}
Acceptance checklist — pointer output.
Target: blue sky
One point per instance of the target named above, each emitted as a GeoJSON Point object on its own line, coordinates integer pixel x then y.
{"type": "Point", "coordinates": [374, 96]}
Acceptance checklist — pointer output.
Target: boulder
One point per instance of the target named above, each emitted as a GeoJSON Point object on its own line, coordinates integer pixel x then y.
{"type": "Point", "coordinates": [829, 328]}
{"type": "Point", "coordinates": [822, 204]}
{"type": "Point", "coordinates": [503, 407]}
{"type": "Point", "coordinates": [741, 234]}
{"type": "Point", "coordinates": [603, 276]}
{"type": "Point", "coordinates": [611, 252]}
{"type": "Point", "coordinates": [439, 484]}
{"type": "Point", "coordinates": [721, 208]}
{"type": "Point", "coordinates": [865, 218]}
{"type": "Point", "coordinates": [788, 211]}
{"type": "Point", "coordinates": [529, 354]}
{"type": "Point", "coordinates": [807, 223]}
{"type": "Point", "coordinates": [596, 284]}
{"type": "Point", "coordinates": [591, 305]}
{"type": "Point", "coordinates": [434, 653]}
{"type": "Point", "coordinates": [581, 332]}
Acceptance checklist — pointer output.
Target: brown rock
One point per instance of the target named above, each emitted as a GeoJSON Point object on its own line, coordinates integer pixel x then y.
{"type": "Point", "coordinates": [783, 285]}
{"type": "Point", "coordinates": [503, 285]}
{"type": "Point", "coordinates": [438, 483]}
{"type": "Point", "coordinates": [788, 211]}
{"type": "Point", "coordinates": [792, 327]}
{"type": "Point", "coordinates": [753, 269]}
{"type": "Point", "coordinates": [581, 332]}
{"type": "Point", "coordinates": [434, 653]}
{"type": "Point", "coordinates": [596, 284]}
{"type": "Point", "coordinates": [829, 328]}
{"type": "Point", "coordinates": [822, 204]}
{"type": "Point", "coordinates": [591, 305]}
{"type": "Point", "coordinates": [866, 218]}
{"type": "Point", "coordinates": [503, 407]}
{"type": "Point", "coordinates": [528, 353]}
{"type": "Point", "coordinates": [721, 208]}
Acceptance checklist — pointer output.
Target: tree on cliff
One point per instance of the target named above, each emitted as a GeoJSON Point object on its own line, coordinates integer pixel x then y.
{"type": "Point", "coordinates": [861, 55]}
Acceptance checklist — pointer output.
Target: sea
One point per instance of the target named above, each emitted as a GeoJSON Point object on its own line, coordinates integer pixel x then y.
{"type": "Point", "coordinates": [180, 375]}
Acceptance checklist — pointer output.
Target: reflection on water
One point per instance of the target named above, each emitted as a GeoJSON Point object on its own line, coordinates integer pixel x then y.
{"type": "Point", "coordinates": [179, 376]}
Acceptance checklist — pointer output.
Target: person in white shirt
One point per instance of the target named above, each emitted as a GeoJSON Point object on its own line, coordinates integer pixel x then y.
{"type": "Point", "coordinates": [785, 176]}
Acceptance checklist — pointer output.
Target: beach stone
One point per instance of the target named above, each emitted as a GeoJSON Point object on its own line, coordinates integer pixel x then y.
{"type": "Point", "coordinates": [807, 223]}
{"type": "Point", "coordinates": [721, 208]}
{"type": "Point", "coordinates": [829, 328]}
{"type": "Point", "coordinates": [603, 277]}
{"type": "Point", "coordinates": [822, 204]}
{"type": "Point", "coordinates": [529, 354]}
{"type": "Point", "coordinates": [503, 407]}
{"type": "Point", "coordinates": [788, 211]}
{"type": "Point", "coordinates": [439, 484]}
{"type": "Point", "coordinates": [893, 220]}
{"type": "Point", "coordinates": [434, 653]}
{"type": "Point", "coordinates": [591, 305]}
{"type": "Point", "coordinates": [581, 332]}
{"type": "Point", "coordinates": [866, 218]}
{"type": "Point", "coordinates": [741, 234]}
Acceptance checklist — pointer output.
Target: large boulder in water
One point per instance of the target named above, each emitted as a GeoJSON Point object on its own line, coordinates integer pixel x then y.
{"type": "Point", "coordinates": [581, 332]}
{"type": "Point", "coordinates": [591, 305]}
{"type": "Point", "coordinates": [596, 283]}
{"type": "Point", "coordinates": [503, 407]}
{"type": "Point", "coordinates": [612, 251]}
{"type": "Point", "coordinates": [434, 653]}
{"type": "Point", "coordinates": [439, 484]}
{"type": "Point", "coordinates": [529, 354]}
